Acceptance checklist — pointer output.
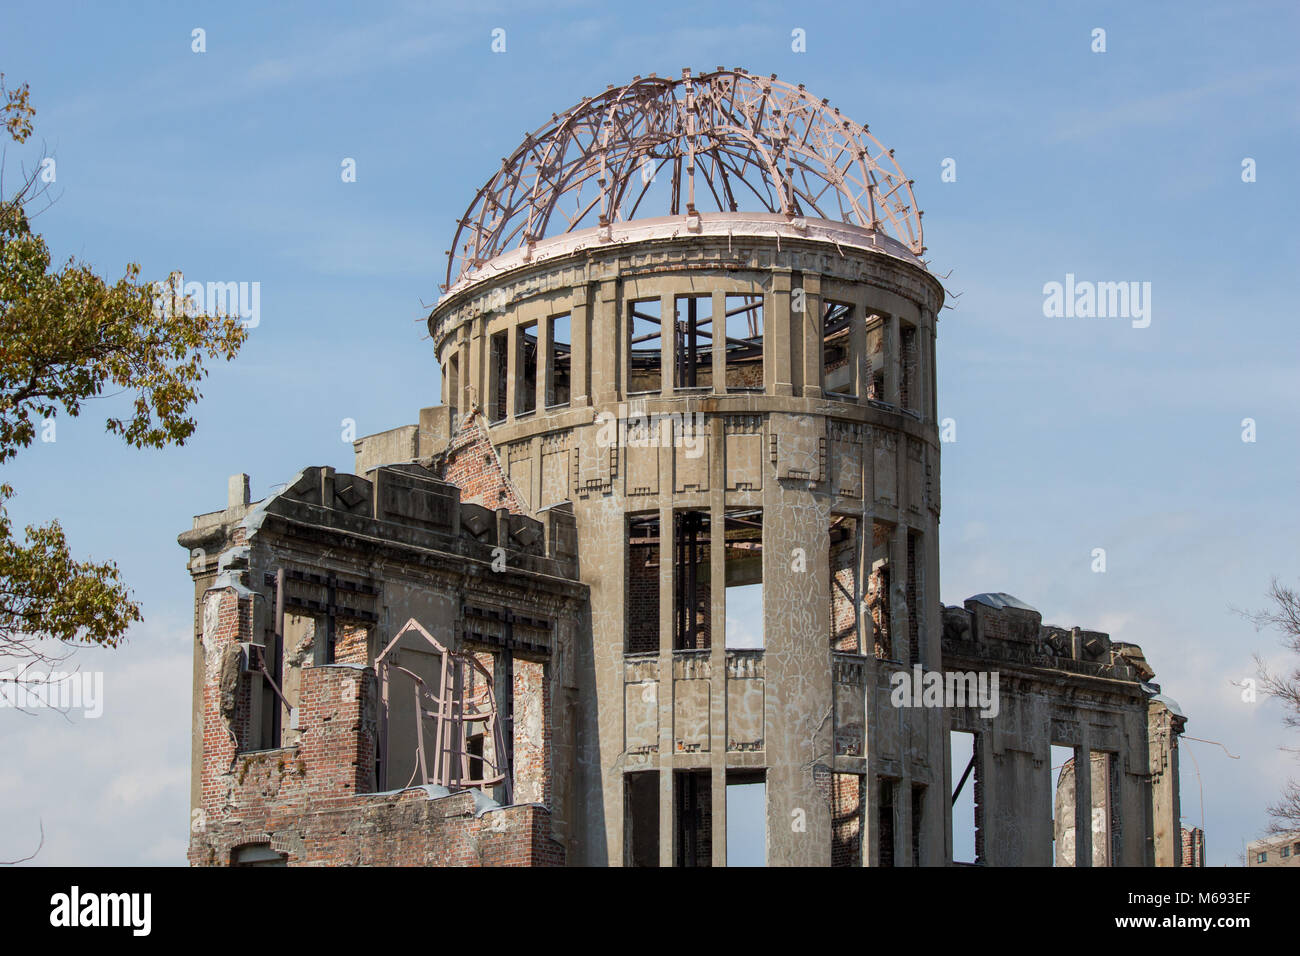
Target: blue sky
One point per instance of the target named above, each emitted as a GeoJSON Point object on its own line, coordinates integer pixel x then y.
{"type": "Point", "coordinates": [1072, 434]}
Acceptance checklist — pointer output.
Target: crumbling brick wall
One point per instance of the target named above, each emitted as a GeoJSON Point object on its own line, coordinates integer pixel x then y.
{"type": "Point", "coordinates": [846, 819]}
{"type": "Point", "coordinates": [532, 732]}
{"type": "Point", "coordinates": [313, 802]}
{"type": "Point", "coordinates": [352, 644]}
{"type": "Point", "coordinates": [472, 464]}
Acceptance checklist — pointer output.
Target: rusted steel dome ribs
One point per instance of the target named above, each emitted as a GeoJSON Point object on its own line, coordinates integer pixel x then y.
{"type": "Point", "coordinates": [728, 141]}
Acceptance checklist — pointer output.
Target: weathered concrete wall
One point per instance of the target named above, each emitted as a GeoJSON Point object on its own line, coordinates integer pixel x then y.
{"type": "Point", "coordinates": [1069, 688]}
{"type": "Point", "coordinates": [793, 451]}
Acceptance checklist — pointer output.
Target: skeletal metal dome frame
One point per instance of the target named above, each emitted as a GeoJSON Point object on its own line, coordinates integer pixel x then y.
{"type": "Point", "coordinates": [741, 138]}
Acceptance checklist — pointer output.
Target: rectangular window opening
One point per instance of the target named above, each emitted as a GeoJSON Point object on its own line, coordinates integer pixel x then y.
{"type": "Point", "coordinates": [878, 591]}
{"type": "Point", "coordinates": [496, 389]}
{"type": "Point", "coordinates": [744, 345]}
{"type": "Point", "coordinates": [453, 381]}
{"type": "Point", "coordinates": [1062, 790]}
{"type": "Point", "coordinates": [645, 347]}
{"type": "Point", "coordinates": [560, 383]}
{"type": "Point", "coordinates": [837, 348]}
{"type": "Point", "coordinates": [641, 818]}
{"type": "Point", "coordinates": [967, 840]}
{"type": "Point", "coordinates": [643, 585]}
{"type": "Point", "coordinates": [503, 675]}
{"type": "Point", "coordinates": [907, 380]}
{"type": "Point", "coordinates": [526, 369]}
{"type": "Point", "coordinates": [474, 755]}
{"type": "Point", "coordinates": [846, 819]}
{"type": "Point", "coordinates": [845, 551]}
{"type": "Point", "coordinates": [875, 359]}
{"type": "Point", "coordinates": [692, 624]}
{"type": "Point", "coordinates": [746, 818]}
{"type": "Point", "coordinates": [744, 570]}
{"type": "Point", "coordinates": [1103, 811]}
{"type": "Point", "coordinates": [693, 798]}
{"type": "Point", "coordinates": [694, 342]}
{"type": "Point", "coordinates": [1105, 808]}
{"type": "Point", "coordinates": [885, 816]}
{"type": "Point", "coordinates": [271, 657]}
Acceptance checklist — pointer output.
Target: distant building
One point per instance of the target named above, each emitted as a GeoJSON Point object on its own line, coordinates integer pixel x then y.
{"type": "Point", "coordinates": [1280, 849]}
{"type": "Point", "coordinates": [1193, 846]}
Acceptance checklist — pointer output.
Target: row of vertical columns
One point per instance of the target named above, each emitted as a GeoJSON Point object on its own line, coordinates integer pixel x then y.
{"type": "Point", "coordinates": [793, 353]}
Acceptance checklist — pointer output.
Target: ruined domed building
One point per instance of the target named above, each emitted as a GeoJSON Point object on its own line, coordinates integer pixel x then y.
{"type": "Point", "coordinates": [673, 531]}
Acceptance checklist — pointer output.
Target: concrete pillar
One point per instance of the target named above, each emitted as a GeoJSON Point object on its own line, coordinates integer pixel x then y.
{"type": "Point", "coordinates": [903, 811]}
{"type": "Point", "coordinates": [811, 330]}
{"type": "Point", "coordinates": [858, 343]}
{"type": "Point", "coordinates": [466, 377]}
{"type": "Point", "coordinates": [609, 344]}
{"type": "Point", "coordinates": [893, 359]}
{"type": "Point", "coordinates": [1083, 800]}
{"type": "Point", "coordinates": [989, 797]}
{"type": "Point", "coordinates": [580, 337]}
{"type": "Point", "coordinates": [513, 376]}
{"type": "Point", "coordinates": [667, 589]}
{"type": "Point", "coordinates": [545, 362]}
{"type": "Point", "coordinates": [718, 631]}
{"type": "Point", "coordinates": [797, 673]}
{"type": "Point", "coordinates": [777, 369]}
{"type": "Point", "coordinates": [667, 341]}
{"type": "Point", "coordinates": [899, 612]}
{"type": "Point", "coordinates": [718, 325]}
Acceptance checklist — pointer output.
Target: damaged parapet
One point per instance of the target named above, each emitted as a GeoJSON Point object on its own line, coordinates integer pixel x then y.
{"type": "Point", "coordinates": [301, 753]}
{"type": "Point", "coordinates": [1073, 688]}
{"type": "Point", "coordinates": [407, 444]}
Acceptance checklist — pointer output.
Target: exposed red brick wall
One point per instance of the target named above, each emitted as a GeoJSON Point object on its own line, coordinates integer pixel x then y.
{"type": "Point", "coordinates": [532, 732]}
{"type": "Point", "coordinates": [1193, 846]}
{"type": "Point", "coordinates": [643, 599]}
{"type": "Point", "coordinates": [312, 802]}
{"type": "Point", "coordinates": [843, 567]}
{"type": "Point", "coordinates": [352, 644]}
{"type": "Point", "coordinates": [846, 819]}
{"type": "Point", "coordinates": [878, 586]}
{"type": "Point", "coordinates": [471, 463]}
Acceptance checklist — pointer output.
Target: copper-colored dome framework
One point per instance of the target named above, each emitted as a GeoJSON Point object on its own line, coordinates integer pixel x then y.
{"type": "Point", "coordinates": [728, 140]}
